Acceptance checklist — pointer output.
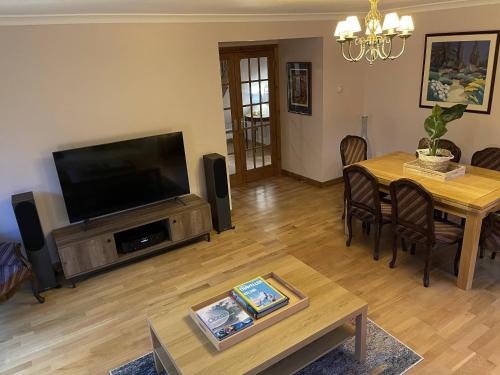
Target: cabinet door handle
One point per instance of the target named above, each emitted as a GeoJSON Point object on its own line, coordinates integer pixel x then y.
{"type": "Point", "coordinates": [175, 221]}
{"type": "Point", "coordinates": [109, 240]}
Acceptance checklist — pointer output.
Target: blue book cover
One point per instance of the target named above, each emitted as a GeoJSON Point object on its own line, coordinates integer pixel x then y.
{"type": "Point", "coordinates": [224, 318]}
{"type": "Point", "coordinates": [259, 294]}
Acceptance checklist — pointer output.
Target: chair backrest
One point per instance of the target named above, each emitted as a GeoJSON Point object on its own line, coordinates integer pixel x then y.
{"type": "Point", "coordinates": [445, 144]}
{"type": "Point", "coordinates": [412, 210]}
{"type": "Point", "coordinates": [361, 188]}
{"type": "Point", "coordinates": [353, 149]}
{"type": "Point", "coordinates": [487, 158]}
{"type": "Point", "coordinates": [491, 232]}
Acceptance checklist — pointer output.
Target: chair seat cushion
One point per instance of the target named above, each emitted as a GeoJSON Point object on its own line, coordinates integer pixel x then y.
{"type": "Point", "coordinates": [368, 216]}
{"type": "Point", "coordinates": [11, 276]}
{"type": "Point", "coordinates": [8, 254]}
{"type": "Point", "coordinates": [447, 233]}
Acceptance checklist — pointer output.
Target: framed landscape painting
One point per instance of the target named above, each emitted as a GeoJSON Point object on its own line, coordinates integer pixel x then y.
{"type": "Point", "coordinates": [299, 87]}
{"type": "Point", "coordinates": [460, 68]}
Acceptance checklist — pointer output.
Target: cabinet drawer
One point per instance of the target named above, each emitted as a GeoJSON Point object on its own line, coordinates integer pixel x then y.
{"type": "Point", "coordinates": [190, 223]}
{"type": "Point", "coordinates": [87, 255]}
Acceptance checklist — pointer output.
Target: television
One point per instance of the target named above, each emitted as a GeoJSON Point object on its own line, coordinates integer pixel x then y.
{"type": "Point", "coordinates": [111, 177]}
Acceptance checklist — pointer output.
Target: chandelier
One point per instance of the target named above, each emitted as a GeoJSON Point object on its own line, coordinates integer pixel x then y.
{"type": "Point", "coordinates": [378, 40]}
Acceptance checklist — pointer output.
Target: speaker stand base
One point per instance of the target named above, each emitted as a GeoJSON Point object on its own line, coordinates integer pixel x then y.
{"type": "Point", "coordinates": [232, 228]}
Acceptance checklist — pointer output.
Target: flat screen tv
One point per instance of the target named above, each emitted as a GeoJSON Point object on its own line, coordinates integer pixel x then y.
{"type": "Point", "coordinates": [107, 178]}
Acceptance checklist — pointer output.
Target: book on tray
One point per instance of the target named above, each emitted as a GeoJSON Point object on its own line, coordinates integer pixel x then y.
{"type": "Point", "coordinates": [259, 297]}
{"type": "Point", "coordinates": [224, 318]}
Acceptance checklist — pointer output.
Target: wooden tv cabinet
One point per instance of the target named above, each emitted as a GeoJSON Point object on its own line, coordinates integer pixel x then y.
{"type": "Point", "coordinates": [87, 247]}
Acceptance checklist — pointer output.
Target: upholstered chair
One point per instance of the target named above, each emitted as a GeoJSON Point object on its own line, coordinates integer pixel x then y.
{"type": "Point", "coordinates": [490, 235]}
{"type": "Point", "coordinates": [444, 144]}
{"type": "Point", "coordinates": [363, 202]}
{"type": "Point", "coordinates": [14, 271]}
{"type": "Point", "coordinates": [413, 220]}
{"type": "Point", "coordinates": [353, 149]}
{"type": "Point", "coordinates": [488, 158]}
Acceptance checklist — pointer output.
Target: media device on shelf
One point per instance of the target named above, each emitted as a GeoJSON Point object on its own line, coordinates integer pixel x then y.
{"type": "Point", "coordinates": [107, 178]}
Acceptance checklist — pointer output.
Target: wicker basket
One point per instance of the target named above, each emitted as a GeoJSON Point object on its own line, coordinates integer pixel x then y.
{"type": "Point", "coordinates": [436, 163]}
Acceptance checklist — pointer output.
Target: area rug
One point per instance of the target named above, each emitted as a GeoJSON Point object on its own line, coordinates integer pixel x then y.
{"type": "Point", "coordinates": [385, 356]}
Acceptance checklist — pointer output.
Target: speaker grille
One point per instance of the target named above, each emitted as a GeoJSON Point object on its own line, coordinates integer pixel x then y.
{"type": "Point", "coordinates": [220, 178]}
{"type": "Point", "coordinates": [29, 226]}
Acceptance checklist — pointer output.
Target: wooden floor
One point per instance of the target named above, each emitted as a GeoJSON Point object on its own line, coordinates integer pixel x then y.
{"type": "Point", "coordinates": [101, 324]}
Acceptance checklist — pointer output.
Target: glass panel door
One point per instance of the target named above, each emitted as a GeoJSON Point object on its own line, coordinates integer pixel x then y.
{"type": "Point", "coordinates": [250, 119]}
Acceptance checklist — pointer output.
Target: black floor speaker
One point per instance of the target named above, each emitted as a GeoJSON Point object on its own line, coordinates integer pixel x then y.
{"type": "Point", "coordinates": [33, 239]}
{"type": "Point", "coordinates": [217, 191]}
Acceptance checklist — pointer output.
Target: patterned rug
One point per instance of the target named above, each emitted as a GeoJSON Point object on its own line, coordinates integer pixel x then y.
{"type": "Point", "coordinates": [385, 356]}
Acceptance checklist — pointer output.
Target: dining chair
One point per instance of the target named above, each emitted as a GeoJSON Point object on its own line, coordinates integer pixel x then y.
{"type": "Point", "coordinates": [352, 150]}
{"type": "Point", "coordinates": [457, 154]}
{"type": "Point", "coordinates": [363, 202]}
{"type": "Point", "coordinates": [444, 144]}
{"type": "Point", "coordinates": [413, 220]}
{"type": "Point", "coordinates": [488, 158]}
{"type": "Point", "coordinates": [490, 235]}
{"type": "Point", "coordinates": [14, 271]}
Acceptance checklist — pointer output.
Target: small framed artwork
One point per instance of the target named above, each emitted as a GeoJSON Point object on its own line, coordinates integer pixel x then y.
{"type": "Point", "coordinates": [299, 87]}
{"type": "Point", "coordinates": [460, 68]}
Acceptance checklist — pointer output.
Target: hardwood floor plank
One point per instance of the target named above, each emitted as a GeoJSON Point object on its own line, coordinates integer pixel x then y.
{"type": "Point", "coordinates": [102, 323]}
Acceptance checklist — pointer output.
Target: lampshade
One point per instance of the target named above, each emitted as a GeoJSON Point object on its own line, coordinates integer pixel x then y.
{"type": "Point", "coordinates": [352, 25]}
{"type": "Point", "coordinates": [340, 29]}
{"type": "Point", "coordinates": [391, 22]}
{"type": "Point", "coordinates": [377, 28]}
{"type": "Point", "coordinates": [406, 24]}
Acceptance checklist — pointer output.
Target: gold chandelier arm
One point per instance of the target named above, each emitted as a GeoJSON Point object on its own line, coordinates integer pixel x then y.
{"type": "Point", "coordinates": [362, 45]}
{"type": "Point", "coordinates": [400, 53]}
{"type": "Point", "coordinates": [349, 56]}
{"type": "Point", "coordinates": [381, 50]}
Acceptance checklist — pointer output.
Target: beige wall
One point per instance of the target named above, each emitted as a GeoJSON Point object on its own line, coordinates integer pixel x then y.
{"type": "Point", "coordinates": [73, 85]}
{"type": "Point", "coordinates": [302, 135]}
{"type": "Point", "coordinates": [392, 90]}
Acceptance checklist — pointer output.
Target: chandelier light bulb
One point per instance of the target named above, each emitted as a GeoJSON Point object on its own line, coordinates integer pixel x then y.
{"type": "Point", "coordinates": [352, 25]}
{"type": "Point", "coordinates": [340, 30]}
{"type": "Point", "coordinates": [391, 23]}
{"type": "Point", "coordinates": [406, 25]}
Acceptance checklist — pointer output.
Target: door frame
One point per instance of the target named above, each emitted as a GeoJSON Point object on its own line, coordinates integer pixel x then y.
{"type": "Point", "coordinates": [274, 106]}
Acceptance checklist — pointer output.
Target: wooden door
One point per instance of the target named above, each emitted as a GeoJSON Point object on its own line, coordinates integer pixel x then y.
{"type": "Point", "coordinates": [250, 97]}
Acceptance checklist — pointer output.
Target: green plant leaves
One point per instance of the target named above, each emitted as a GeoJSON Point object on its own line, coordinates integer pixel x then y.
{"type": "Point", "coordinates": [453, 113]}
{"type": "Point", "coordinates": [435, 124]}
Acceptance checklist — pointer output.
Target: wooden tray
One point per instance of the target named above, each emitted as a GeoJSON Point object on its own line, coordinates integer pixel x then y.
{"type": "Point", "coordinates": [297, 301]}
{"type": "Point", "coordinates": [454, 170]}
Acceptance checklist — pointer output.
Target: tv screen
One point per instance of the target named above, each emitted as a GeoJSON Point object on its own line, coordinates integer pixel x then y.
{"type": "Point", "coordinates": [102, 179]}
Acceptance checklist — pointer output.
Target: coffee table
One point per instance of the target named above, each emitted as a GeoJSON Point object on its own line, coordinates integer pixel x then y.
{"type": "Point", "coordinates": [180, 347]}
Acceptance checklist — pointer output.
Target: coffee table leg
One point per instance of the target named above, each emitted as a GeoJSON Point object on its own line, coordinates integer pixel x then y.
{"type": "Point", "coordinates": [158, 366]}
{"type": "Point", "coordinates": [361, 337]}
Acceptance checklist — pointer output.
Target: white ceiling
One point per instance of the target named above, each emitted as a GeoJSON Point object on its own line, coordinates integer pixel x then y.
{"type": "Point", "coordinates": [204, 7]}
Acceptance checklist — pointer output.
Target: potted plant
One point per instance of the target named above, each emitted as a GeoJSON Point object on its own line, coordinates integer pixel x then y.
{"type": "Point", "coordinates": [434, 157]}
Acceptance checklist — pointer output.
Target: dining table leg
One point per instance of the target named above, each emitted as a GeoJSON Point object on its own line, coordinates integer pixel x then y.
{"type": "Point", "coordinates": [470, 248]}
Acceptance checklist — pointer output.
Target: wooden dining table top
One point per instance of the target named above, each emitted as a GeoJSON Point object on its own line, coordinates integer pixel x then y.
{"type": "Point", "coordinates": [478, 189]}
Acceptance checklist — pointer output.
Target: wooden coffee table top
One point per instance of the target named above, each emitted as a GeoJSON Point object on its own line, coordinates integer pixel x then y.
{"type": "Point", "coordinates": [192, 353]}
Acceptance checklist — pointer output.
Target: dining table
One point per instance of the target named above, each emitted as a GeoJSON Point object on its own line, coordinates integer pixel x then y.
{"type": "Point", "coordinates": [471, 196]}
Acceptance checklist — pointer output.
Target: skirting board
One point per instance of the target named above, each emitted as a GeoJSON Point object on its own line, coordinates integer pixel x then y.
{"type": "Point", "coordinates": [334, 181]}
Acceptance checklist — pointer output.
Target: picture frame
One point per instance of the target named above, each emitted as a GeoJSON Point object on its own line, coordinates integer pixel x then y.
{"type": "Point", "coordinates": [299, 87]}
{"type": "Point", "coordinates": [460, 68]}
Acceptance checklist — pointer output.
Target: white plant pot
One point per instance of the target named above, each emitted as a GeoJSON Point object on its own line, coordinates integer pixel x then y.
{"type": "Point", "coordinates": [436, 163]}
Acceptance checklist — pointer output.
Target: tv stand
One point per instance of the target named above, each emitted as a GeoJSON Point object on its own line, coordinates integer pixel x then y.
{"type": "Point", "coordinates": [180, 201]}
{"type": "Point", "coordinates": [91, 246]}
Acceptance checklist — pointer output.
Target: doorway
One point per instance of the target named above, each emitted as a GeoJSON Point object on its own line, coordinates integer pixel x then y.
{"type": "Point", "coordinates": [251, 118]}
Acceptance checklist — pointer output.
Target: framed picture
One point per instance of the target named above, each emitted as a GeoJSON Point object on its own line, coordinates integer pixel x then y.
{"type": "Point", "coordinates": [460, 68]}
{"type": "Point", "coordinates": [299, 87]}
